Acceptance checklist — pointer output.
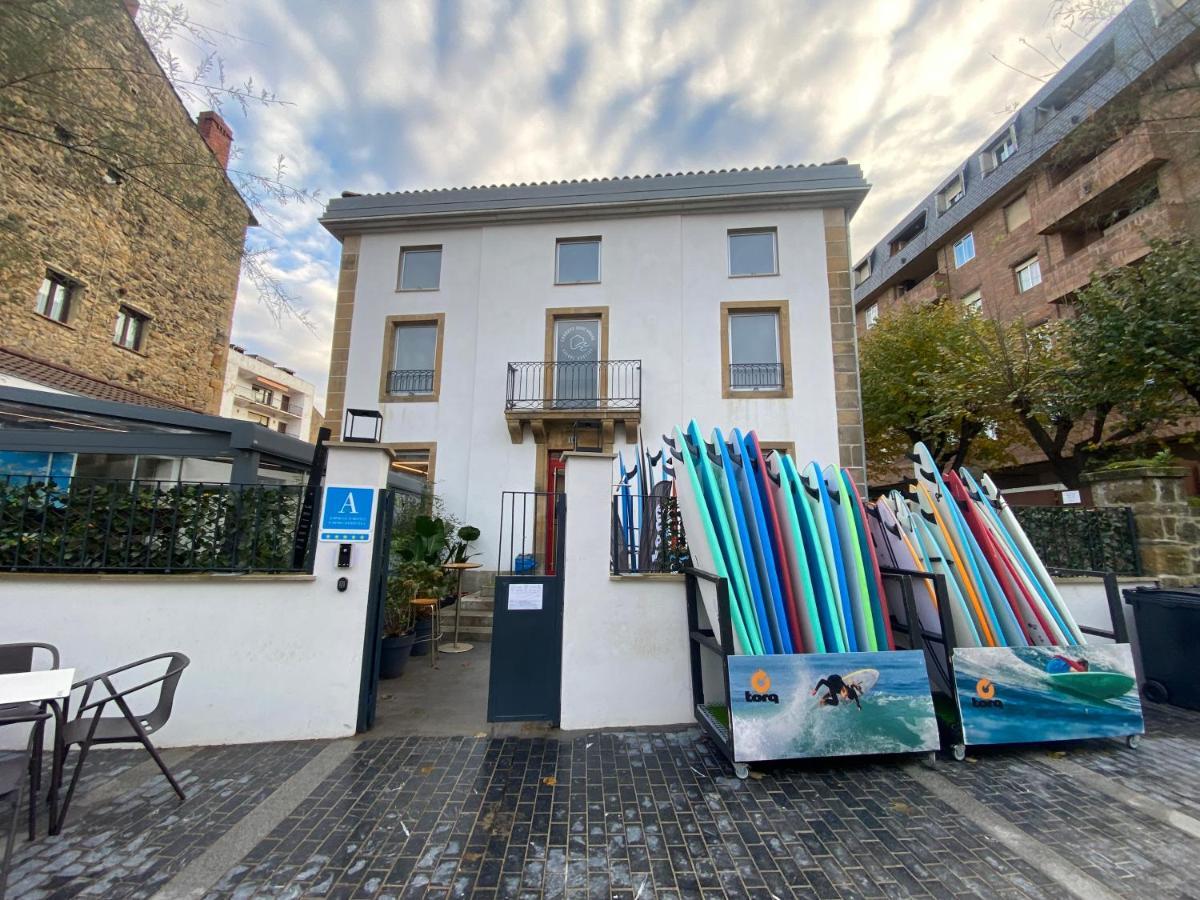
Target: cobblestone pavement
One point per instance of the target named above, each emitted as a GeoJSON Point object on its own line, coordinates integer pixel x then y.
{"type": "Point", "coordinates": [633, 815]}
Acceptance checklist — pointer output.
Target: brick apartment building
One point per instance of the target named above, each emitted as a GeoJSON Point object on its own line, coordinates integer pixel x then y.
{"type": "Point", "coordinates": [122, 233]}
{"type": "Point", "coordinates": [1027, 218]}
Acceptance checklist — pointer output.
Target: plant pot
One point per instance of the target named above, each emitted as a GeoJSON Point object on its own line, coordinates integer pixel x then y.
{"type": "Point", "coordinates": [394, 653]}
{"type": "Point", "coordinates": [422, 635]}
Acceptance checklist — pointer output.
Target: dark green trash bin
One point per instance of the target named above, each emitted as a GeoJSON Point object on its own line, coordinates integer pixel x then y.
{"type": "Point", "coordinates": [1168, 628]}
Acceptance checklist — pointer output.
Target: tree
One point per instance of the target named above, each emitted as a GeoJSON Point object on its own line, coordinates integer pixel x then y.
{"type": "Point", "coordinates": [85, 89]}
{"type": "Point", "coordinates": [923, 379]}
{"type": "Point", "coordinates": [1145, 319]}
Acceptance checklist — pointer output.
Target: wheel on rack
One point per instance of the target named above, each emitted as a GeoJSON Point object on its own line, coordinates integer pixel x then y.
{"type": "Point", "coordinates": [1133, 741]}
{"type": "Point", "coordinates": [741, 770]}
{"type": "Point", "coordinates": [1156, 692]}
{"type": "Point", "coordinates": [959, 751]}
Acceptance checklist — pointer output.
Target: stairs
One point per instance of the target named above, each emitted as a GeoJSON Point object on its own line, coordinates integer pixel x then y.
{"type": "Point", "coordinates": [476, 622]}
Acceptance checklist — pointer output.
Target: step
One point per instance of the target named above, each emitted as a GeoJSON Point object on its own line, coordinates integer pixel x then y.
{"type": "Point", "coordinates": [472, 635]}
{"type": "Point", "coordinates": [475, 619]}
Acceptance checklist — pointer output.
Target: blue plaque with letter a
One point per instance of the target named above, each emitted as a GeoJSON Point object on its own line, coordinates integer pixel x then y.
{"type": "Point", "coordinates": [347, 514]}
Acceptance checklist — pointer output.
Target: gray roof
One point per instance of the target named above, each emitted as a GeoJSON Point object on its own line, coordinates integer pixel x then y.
{"type": "Point", "coordinates": [830, 184]}
{"type": "Point", "coordinates": [1137, 43]}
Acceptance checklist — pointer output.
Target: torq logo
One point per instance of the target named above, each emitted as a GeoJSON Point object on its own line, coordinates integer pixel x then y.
{"type": "Point", "coordinates": [761, 682]}
{"type": "Point", "coordinates": [985, 694]}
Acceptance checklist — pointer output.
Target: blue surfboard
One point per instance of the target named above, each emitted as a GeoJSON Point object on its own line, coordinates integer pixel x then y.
{"type": "Point", "coordinates": [814, 483]}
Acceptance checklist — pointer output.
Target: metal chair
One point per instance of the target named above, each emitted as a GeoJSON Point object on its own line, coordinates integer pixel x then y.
{"type": "Point", "coordinates": [126, 728]}
{"type": "Point", "coordinates": [22, 658]}
{"type": "Point", "coordinates": [12, 773]}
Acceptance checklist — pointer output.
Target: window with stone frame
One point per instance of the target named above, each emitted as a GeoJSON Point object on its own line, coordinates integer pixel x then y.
{"type": "Point", "coordinates": [55, 295]}
{"type": "Point", "coordinates": [130, 331]}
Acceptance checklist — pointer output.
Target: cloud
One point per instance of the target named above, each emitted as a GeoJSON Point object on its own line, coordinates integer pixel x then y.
{"type": "Point", "coordinates": [392, 96]}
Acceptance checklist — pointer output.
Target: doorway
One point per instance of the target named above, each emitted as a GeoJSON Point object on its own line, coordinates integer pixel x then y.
{"type": "Point", "coordinates": [577, 362]}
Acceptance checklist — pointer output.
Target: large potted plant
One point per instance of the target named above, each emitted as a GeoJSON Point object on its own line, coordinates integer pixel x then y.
{"type": "Point", "coordinates": [429, 541]}
{"type": "Point", "coordinates": [410, 580]}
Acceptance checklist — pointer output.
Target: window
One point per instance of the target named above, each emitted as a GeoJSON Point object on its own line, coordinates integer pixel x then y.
{"type": "Point", "coordinates": [907, 234]}
{"type": "Point", "coordinates": [577, 261]}
{"type": "Point", "coordinates": [862, 271]}
{"type": "Point", "coordinates": [964, 250]}
{"type": "Point", "coordinates": [1075, 85]}
{"type": "Point", "coordinates": [420, 268]}
{"type": "Point", "coordinates": [1016, 213]}
{"type": "Point", "coordinates": [259, 419]}
{"type": "Point", "coordinates": [755, 349]}
{"type": "Point", "coordinates": [1029, 275]}
{"type": "Point", "coordinates": [131, 329]}
{"type": "Point", "coordinates": [54, 297]}
{"type": "Point", "coordinates": [282, 427]}
{"type": "Point", "coordinates": [412, 360]}
{"type": "Point", "coordinates": [951, 193]}
{"type": "Point", "coordinates": [412, 466]}
{"type": "Point", "coordinates": [263, 395]}
{"type": "Point", "coordinates": [752, 252]}
{"type": "Point", "coordinates": [1164, 9]}
{"type": "Point", "coordinates": [1000, 150]}
{"type": "Point", "coordinates": [973, 301]}
{"type": "Point", "coordinates": [871, 315]}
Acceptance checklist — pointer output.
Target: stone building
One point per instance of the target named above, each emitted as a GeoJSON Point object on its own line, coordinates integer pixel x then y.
{"type": "Point", "coordinates": [123, 234]}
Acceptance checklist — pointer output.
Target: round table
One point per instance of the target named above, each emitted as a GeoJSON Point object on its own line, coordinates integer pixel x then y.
{"type": "Point", "coordinates": [457, 646]}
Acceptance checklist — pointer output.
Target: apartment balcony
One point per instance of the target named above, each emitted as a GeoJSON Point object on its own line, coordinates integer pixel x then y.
{"type": "Point", "coordinates": [294, 409]}
{"type": "Point", "coordinates": [544, 395]}
{"type": "Point", "coordinates": [1103, 182]}
{"type": "Point", "coordinates": [1121, 244]}
{"type": "Point", "coordinates": [928, 289]}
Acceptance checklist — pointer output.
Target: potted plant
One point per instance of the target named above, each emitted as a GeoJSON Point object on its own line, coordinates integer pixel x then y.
{"type": "Point", "coordinates": [410, 580]}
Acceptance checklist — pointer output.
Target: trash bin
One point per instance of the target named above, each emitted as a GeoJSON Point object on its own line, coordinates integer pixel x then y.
{"type": "Point", "coordinates": [1168, 627]}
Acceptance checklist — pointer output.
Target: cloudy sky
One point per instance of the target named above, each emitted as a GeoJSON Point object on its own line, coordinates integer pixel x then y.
{"type": "Point", "coordinates": [401, 94]}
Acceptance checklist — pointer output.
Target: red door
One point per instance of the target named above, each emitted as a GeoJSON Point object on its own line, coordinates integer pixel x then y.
{"type": "Point", "coordinates": [556, 471]}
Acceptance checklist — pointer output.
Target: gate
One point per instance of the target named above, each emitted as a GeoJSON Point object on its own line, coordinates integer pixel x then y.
{"type": "Point", "coordinates": [526, 668]}
{"type": "Point", "coordinates": [368, 691]}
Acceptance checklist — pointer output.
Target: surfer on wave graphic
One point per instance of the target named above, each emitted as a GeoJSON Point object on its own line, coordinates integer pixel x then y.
{"type": "Point", "coordinates": [1060, 664]}
{"type": "Point", "coordinates": [838, 688]}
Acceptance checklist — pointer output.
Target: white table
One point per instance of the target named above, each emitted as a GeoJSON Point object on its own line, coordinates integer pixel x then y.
{"type": "Point", "coordinates": [31, 687]}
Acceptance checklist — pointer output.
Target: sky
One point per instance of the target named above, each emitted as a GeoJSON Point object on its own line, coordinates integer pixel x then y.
{"type": "Point", "coordinates": [405, 94]}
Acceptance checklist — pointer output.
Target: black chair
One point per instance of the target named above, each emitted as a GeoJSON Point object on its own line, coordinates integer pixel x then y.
{"type": "Point", "coordinates": [90, 725]}
{"type": "Point", "coordinates": [22, 658]}
{"type": "Point", "coordinates": [12, 772]}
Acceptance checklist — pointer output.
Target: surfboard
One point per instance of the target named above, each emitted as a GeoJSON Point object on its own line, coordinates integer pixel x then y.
{"type": "Point", "coordinates": [795, 555]}
{"type": "Point", "coordinates": [824, 594]}
{"type": "Point", "coordinates": [856, 576]}
{"type": "Point", "coordinates": [627, 513]}
{"type": "Point", "coordinates": [879, 608]}
{"type": "Point", "coordinates": [863, 679]}
{"type": "Point", "coordinates": [966, 629]}
{"type": "Point", "coordinates": [817, 497]}
{"type": "Point", "coordinates": [707, 555]}
{"type": "Point", "coordinates": [760, 543]}
{"type": "Point", "coordinates": [775, 529]}
{"type": "Point", "coordinates": [1092, 685]}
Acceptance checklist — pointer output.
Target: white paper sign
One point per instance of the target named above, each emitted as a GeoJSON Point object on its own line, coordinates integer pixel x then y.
{"type": "Point", "coordinates": [1071, 497]}
{"type": "Point", "coordinates": [524, 596]}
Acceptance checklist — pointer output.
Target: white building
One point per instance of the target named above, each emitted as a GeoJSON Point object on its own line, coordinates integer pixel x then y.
{"type": "Point", "coordinates": [497, 327]}
{"type": "Point", "coordinates": [260, 390]}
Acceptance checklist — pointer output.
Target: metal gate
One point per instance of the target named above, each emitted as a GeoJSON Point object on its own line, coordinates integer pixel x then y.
{"type": "Point", "coordinates": [368, 691]}
{"type": "Point", "coordinates": [526, 668]}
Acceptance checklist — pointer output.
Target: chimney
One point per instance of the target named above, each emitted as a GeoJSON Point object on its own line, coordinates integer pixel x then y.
{"type": "Point", "coordinates": [216, 134]}
{"type": "Point", "coordinates": [131, 7]}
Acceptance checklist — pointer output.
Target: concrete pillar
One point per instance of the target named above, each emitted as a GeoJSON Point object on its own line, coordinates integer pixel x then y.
{"type": "Point", "coordinates": [357, 465]}
{"type": "Point", "coordinates": [1168, 526]}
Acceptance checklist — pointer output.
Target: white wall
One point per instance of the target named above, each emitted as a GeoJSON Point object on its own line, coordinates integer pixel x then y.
{"type": "Point", "coordinates": [240, 369]}
{"type": "Point", "coordinates": [1088, 603]}
{"type": "Point", "coordinates": [625, 640]}
{"type": "Point", "coordinates": [272, 657]}
{"type": "Point", "coordinates": [663, 279]}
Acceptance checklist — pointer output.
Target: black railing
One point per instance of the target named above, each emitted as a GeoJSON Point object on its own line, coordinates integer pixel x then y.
{"type": "Point", "coordinates": [1066, 537]}
{"type": "Point", "coordinates": [106, 525]}
{"type": "Point", "coordinates": [410, 381]}
{"type": "Point", "coordinates": [756, 376]}
{"type": "Point", "coordinates": [611, 384]}
{"type": "Point", "coordinates": [531, 533]}
{"type": "Point", "coordinates": [646, 535]}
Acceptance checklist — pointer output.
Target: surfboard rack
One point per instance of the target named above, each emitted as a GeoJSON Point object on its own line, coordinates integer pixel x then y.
{"type": "Point", "coordinates": [969, 684]}
{"type": "Point", "coordinates": [717, 709]}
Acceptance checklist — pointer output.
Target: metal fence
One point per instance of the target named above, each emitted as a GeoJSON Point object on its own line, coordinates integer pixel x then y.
{"type": "Point", "coordinates": [756, 376]}
{"type": "Point", "coordinates": [410, 381]}
{"type": "Point", "coordinates": [1102, 539]}
{"type": "Point", "coordinates": [116, 525]}
{"type": "Point", "coordinates": [531, 533]}
{"type": "Point", "coordinates": [646, 535]}
{"type": "Point", "coordinates": [611, 384]}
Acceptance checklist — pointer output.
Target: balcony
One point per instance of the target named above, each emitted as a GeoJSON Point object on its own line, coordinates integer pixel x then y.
{"type": "Point", "coordinates": [294, 409]}
{"type": "Point", "coordinates": [1102, 182]}
{"type": "Point", "coordinates": [543, 394]}
{"type": "Point", "coordinates": [928, 289]}
{"type": "Point", "coordinates": [756, 377]}
{"type": "Point", "coordinates": [410, 382]}
{"type": "Point", "coordinates": [1122, 244]}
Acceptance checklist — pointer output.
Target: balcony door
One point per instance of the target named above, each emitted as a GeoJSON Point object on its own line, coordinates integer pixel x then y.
{"type": "Point", "coordinates": [577, 363]}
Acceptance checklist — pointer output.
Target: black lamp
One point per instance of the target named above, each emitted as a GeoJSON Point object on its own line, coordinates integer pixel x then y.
{"type": "Point", "coordinates": [363, 425]}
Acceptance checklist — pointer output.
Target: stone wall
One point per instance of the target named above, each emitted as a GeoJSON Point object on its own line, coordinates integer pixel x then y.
{"type": "Point", "coordinates": [1168, 524]}
{"type": "Point", "coordinates": [110, 184]}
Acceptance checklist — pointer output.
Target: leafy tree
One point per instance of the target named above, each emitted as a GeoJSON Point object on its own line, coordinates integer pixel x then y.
{"type": "Point", "coordinates": [923, 379]}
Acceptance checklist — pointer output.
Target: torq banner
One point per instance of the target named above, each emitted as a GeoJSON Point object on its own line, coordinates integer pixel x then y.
{"type": "Point", "coordinates": [347, 514]}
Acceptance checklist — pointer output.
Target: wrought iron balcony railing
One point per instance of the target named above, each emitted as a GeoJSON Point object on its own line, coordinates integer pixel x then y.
{"type": "Point", "coordinates": [410, 381]}
{"type": "Point", "coordinates": [607, 385]}
{"type": "Point", "coordinates": [756, 376]}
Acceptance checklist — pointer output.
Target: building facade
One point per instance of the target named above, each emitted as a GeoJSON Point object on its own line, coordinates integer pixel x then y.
{"type": "Point", "coordinates": [260, 390]}
{"type": "Point", "coordinates": [496, 328]}
{"type": "Point", "coordinates": [123, 234]}
{"type": "Point", "coordinates": [1103, 159]}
